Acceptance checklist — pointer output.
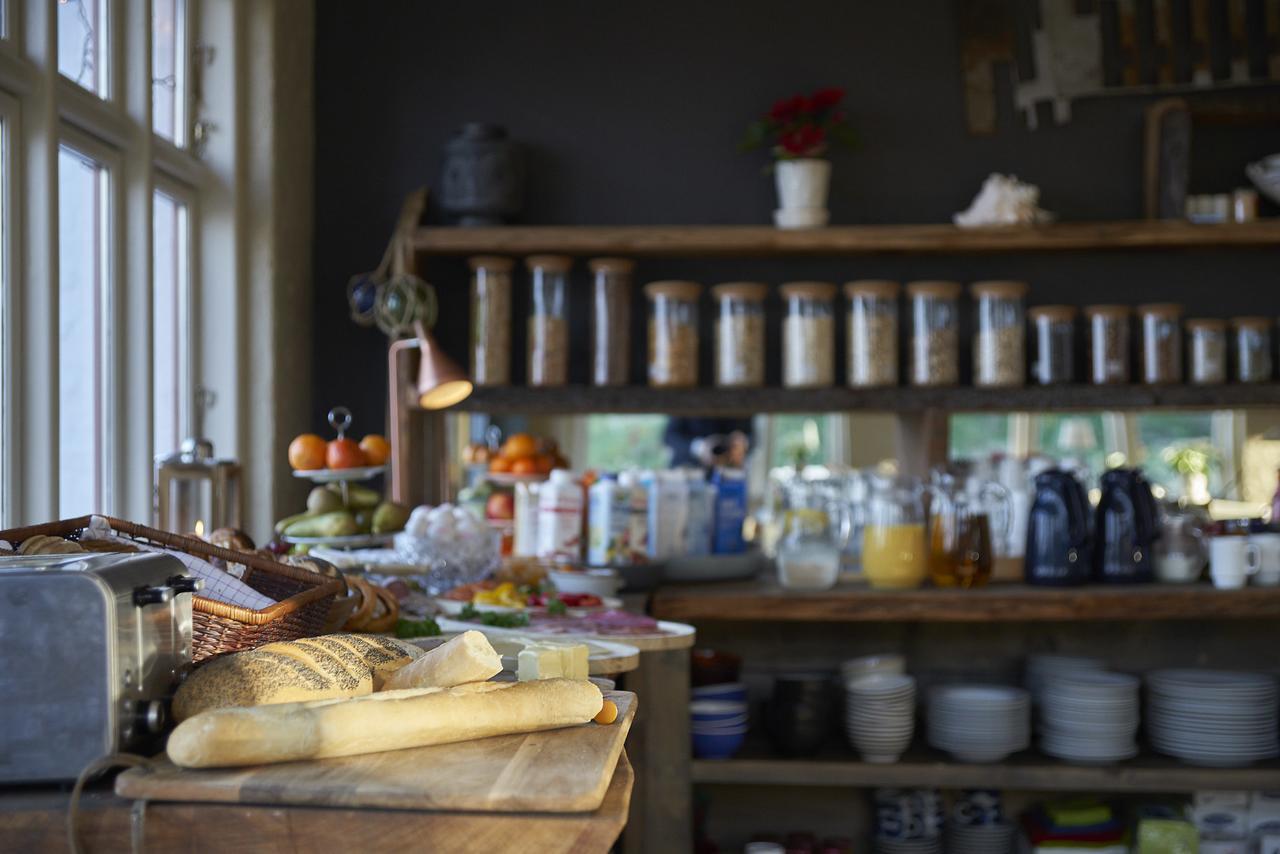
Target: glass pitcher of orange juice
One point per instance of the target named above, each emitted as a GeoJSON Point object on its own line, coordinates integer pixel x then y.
{"type": "Point", "coordinates": [894, 554]}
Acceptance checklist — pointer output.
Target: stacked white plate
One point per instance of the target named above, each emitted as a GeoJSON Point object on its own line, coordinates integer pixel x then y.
{"type": "Point", "coordinates": [1213, 717]}
{"type": "Point", "coordinates": [1090, 716]}
{"type": "Point", "coordinates": [880, 715]}
{"type": "Point", "coordinates": [908, 846]}
{"type": "Point", "coordinates": [979, 723]}
{"type": "Point", "coordinates": [980, 838]}
{"type": "Point", "coordinates": [1043, 667]}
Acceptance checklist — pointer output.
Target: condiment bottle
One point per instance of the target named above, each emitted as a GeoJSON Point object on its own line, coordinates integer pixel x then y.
{"type": "Point", "coordinates": [611, 320]}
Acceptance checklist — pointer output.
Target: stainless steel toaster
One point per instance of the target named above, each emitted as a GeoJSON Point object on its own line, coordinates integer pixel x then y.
{"type": "Point", "coordinates": [92, 648]}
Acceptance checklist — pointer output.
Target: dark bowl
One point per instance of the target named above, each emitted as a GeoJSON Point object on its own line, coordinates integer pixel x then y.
{"type": "Point", "coordinates": [713, 667]}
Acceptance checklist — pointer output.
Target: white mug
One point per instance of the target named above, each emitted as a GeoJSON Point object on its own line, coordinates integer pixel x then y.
{"type": "Point", "coordinates": [1231, 561]}
{"type": "Point", "coordinates": [1269, 559]}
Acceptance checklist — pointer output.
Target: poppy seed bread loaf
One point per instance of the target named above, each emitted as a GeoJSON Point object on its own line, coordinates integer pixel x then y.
{"type": "Point", "coordinates": [321, 668]}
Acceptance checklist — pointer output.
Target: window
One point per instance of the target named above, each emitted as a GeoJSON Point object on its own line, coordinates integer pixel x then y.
{"type": "Point", "coordinates": [798, 438]}
{"type": "Point", "coordinates": [170, 312]}
{"type": "Point", "coordinates": [6, 238]}
{"type": "Point", "coordinates": [83, 55]}
{"type": "Point", "coordinates": [616, 442]}
{"type": "Point", "coordinates": [83, 307]}
{"type": "Point", "coordinates": [168, 74]}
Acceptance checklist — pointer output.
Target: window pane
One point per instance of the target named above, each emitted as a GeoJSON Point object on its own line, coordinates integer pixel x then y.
{"type": "Point", "coordinates": [82, 309]}
{"type": "Point", "coordinates": [82, 43]}
{"type": "Point", "coordinates": [616, 442]}
{"type": "Point", "coordinates": [799, 439]}
{"type": "Point", "coordinates": [1176, 451]}
{"type": "Point", "coordinates": [973, 436]}
{"type": "Point", "coordinates": [168, 69]}
{"type": "Point", "coordinates": [170, 329]}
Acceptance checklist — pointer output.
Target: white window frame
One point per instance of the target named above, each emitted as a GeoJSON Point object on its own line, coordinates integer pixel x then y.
{"type": "Point", "coordinates": [10, 227]}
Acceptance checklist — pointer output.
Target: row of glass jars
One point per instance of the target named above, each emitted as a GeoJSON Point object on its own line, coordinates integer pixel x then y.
{"type": "Point", "coordinates": [808, 333]}
{"type": "Point", "coordinates": [548, 322]}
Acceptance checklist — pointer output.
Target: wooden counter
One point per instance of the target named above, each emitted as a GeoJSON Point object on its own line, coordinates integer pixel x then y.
{"type": "Point", "coordinates": [764, 600]}
{"type": "Point", "coordinates": [36, 820]}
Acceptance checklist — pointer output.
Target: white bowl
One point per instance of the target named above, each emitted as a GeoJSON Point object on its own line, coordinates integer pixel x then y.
{"type": "Point", "coordinates": [600, 582]}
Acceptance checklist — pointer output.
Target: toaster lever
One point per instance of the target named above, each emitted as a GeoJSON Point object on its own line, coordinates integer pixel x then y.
{"type": "Point", "coordinates": [151, 595]}
{"type": "Point", "coordinates": [185, 583]}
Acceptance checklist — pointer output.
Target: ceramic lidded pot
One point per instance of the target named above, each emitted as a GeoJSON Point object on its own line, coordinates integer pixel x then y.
{"type": "Point", "coordinates": [483, 182]}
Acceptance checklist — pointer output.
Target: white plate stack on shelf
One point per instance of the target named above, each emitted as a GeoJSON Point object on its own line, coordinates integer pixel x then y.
{"type": "Point", "coordinates": [880, 715]}
{"type": "Point", "coordinates": [1215, 718]}
{"type": "Point", "coordinates": [1089, 716]}
{"type": "Point", "coordinates": [1042, 667]}
{"type": "Point", "coordinates": [979, 723]}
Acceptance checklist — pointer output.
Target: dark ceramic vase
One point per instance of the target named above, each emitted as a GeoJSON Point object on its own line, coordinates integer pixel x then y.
{"type": "Point", "coordinates": [483, 175]}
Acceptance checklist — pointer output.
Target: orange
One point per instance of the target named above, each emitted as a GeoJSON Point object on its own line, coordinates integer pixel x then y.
{"type": "Point", "coordinates": [525, 465]}
{"type": "Point", "coordinates": [307, 452]}
{"type": "Point", "coordinates": [519, 445]}
{"type": "Point", "coordinates": [344, 454]}
{"type": "Point", "coordinates": [499, 465]}
{"type": "Point", "coordinates": [376, 449]}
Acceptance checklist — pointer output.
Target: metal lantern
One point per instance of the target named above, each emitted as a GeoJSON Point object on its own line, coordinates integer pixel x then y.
{"type": "Point", "coordinates": [196, 492]}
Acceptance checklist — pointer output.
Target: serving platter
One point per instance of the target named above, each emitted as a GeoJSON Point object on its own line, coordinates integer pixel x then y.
{"type": "Point", "coordinates": [453, 607]}
{"type": "Point", "coordinates": [337, 475]}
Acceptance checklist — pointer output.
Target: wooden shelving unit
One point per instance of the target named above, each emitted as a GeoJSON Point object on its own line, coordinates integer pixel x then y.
{"type": "Point", "coordinates": [901, 399]}
{"type": "Point", "coordinates": [759, 240]}
{"type": "Point", "coordinates": [998, 603]}
{"type": "Point", "coordinates": [924, 767]}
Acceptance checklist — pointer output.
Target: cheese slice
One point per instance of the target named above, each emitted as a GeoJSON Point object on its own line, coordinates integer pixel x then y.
{"type": "Point", "coordinates": [545, 659]}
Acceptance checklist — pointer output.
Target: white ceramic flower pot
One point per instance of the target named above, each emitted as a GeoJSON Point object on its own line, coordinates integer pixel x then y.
{"type": "Point", "coordinates": [802, 192]}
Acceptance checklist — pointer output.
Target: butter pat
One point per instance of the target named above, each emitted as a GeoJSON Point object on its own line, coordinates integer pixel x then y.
{"type": "Point", "coordinates": [543, 659]}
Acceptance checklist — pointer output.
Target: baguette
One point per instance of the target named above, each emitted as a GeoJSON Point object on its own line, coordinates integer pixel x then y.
{"type": "Point", "coordinates": [469, 657]}
{"type": "Point", "coordinates": [390, 720]}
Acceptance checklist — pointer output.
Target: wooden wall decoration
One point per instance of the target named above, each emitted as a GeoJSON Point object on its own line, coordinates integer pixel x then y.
{"type": "Point", "coordinates": [1060, 50]}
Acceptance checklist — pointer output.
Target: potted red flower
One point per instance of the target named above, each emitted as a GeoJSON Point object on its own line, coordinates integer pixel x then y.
{"type": "Point", "coordinates": [798, 131]}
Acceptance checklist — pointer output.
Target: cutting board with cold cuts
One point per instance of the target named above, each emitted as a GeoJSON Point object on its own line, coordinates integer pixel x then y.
{"type": "Point", "coordinates": [562, 770]}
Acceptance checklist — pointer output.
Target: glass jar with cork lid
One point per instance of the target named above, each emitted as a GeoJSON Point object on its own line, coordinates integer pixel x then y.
{"type": "Point", "coordinates": [872, 334]}
{"type": "Point", "coordinates": [739, 333]}
{"type": "Point", "coordinates": [490, 319]}
{"type": "Point", "coordinates": [673, 332]}
{"type": "Point", "coordinates": [1207, 343]}
{"type": "Point", "coordinates": [1108, 343]}
{"type": "Point", "coordinates": [809, 334]}
{"type": "Point", "coordinates": [1000, 333]}
{"type": "Point", "coordinates": [1161, 342]}
{"type": "Point", "coordinates": [1053, 356]}
{"type": "Point", "coordinates": [1253, 349]}
{"type": "Point", "coordinates": [548, 333]}
{"type": "Point", "coordinates": [611, 320]}
{"type": "Point", "coordinates": [935, 333]}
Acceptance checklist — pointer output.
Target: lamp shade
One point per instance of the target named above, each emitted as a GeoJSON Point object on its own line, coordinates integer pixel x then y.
{"type": "Point", "coordinates": [441, 382]}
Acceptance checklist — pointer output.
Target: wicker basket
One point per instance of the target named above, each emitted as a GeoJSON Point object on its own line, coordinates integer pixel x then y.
{"type": "Point", "coordinates": [304, 600]}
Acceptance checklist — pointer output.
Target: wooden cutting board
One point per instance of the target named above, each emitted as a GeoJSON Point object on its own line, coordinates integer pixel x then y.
{"type": "Point", "coordinates": [563, 770]}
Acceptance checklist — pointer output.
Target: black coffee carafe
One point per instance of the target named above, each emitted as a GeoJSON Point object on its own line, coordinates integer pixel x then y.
{"type": "Point", "coordinates": [1126, 526]}
{"type": "Point", "coordinates": [1058, 551]}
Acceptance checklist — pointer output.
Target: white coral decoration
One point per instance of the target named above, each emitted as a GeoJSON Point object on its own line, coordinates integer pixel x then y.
{"type": "Point", "coordinates": [1003, 200]}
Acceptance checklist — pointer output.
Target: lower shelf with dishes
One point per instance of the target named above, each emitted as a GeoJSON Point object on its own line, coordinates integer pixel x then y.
{"type": "Point", "coordinates": [758, 764]}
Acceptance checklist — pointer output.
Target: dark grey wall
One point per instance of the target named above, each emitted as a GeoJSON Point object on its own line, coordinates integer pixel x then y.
{"type": "Point", "coordinates": [631, 112]}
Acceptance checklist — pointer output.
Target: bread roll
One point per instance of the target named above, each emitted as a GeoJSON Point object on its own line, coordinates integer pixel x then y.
{"type": "Point", "coordinates": [467, 658]}
{"type": "Point", "coordinates": [320, 668]}
{"type": "Point", "coordinates": [391, 720]}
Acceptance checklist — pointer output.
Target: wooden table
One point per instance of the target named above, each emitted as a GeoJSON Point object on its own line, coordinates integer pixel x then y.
{"type": "Point", "coordinates": [36, 820]}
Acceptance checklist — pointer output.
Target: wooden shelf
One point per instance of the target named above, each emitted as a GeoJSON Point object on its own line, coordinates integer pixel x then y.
{"type": "Point", "coordinates": [718, 401]}
{"type": "Point", "coordinates": [924, 767]}
{"type": "Point", "coordinates": [758, 240]}
{"type": "Point", "coordinates": [765, 601]}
